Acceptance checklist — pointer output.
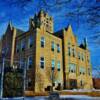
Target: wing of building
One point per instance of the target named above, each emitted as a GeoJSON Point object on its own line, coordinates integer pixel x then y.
{"type": "Point", "coordinates": [49, 57]}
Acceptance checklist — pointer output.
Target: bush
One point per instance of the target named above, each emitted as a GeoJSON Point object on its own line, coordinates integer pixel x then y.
{"type": "Point", "coordinates": [13, 84]}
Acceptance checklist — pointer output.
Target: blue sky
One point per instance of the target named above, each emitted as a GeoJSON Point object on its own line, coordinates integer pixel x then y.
{"type": "Point", "coordinates": [83, 15]}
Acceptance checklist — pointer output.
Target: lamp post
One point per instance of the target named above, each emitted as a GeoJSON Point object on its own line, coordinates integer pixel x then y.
{"type": "Point", "coordinates": [24, 79]}
{"type": "Point", "coordinates": [2, 78]}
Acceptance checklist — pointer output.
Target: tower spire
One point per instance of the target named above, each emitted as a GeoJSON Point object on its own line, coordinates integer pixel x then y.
{"type": "Point", "coordinates": [10, 25]}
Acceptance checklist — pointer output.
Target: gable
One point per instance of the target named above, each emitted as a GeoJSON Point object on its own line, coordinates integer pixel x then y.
{"type": "Point", "coordinates": [69, 35]}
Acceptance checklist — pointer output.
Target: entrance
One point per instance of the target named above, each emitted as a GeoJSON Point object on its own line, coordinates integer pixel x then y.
{"type": "Point", "coordinates": [73, 83]}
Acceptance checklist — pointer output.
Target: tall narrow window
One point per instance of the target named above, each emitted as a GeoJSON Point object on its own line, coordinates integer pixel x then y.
{"type": "Point", "coordinates": [53, 64]}
{"type": "Point", "coordinates": [58, 48]}
{"type": "Point", "coordinates": [17, 47]}
{"type": "Point", "coordinates": [30, 41]}
{"type": "Point", "coordinates": [81, 83]}
{"type": "Point", "coordinates": [79, 56]}
{"type": "Point", "coordinates": [89, 71]}
{"type": "Point", "coordinates": [30, 62]}
{"type": "Point", "coordinates": [22, 63]}
{"type": "Point", "coordinates": [69, 51]}
{"type": "Point", "coordinates": [88, 59]}
{"type": "Point", "coordinates": [42, 62]}
{"type": "Point", "coordinates": [52, 46]}
{"type": "Point", "coordinates": [58, 66]}
{"type": "Point", "coordinates": [82, 57]}
{"type": "Point", "coordinates": [42, 42]}
{"type": "Point", "coordinates": [73, 52]}
{"type": "Point", "coordinates": [28, 82]}
{"type": "Point", "coordinates": [23, 45]}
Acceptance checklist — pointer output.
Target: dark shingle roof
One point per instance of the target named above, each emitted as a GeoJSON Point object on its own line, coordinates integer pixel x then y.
{"type": "Point", "coordinates": [19, 32]}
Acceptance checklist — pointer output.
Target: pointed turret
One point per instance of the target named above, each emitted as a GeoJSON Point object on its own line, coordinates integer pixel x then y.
{"type": "Point", "coordinates": [10, 25]}
{"type": "Point", "coordinates": [31, 23]}
{"type": "Point", "coordinates": [69, 27]}
{"type": "Point", "coordinates": [41, 13]}
{"type": "Point", "coordinates": [85, 43]}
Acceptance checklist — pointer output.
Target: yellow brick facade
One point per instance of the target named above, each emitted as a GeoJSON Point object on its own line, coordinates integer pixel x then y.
{"type": "Point", "coordinates": [43, 76]}
{"type": "Point", "coordinates": [74, 60]}
{"type": "Point", "coordinates": [70, 40]}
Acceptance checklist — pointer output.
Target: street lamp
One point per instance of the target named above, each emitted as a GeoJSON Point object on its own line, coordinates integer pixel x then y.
{"type": "Point", "coordinates": [2, 78]}
{"type": "Point", "coordinates": [2, 72]}
{"type": "Point", "coordinates": [24, 78]}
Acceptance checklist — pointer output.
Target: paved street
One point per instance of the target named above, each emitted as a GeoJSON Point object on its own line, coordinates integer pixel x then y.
{"type": "Point", "coordinates": [68, 97]}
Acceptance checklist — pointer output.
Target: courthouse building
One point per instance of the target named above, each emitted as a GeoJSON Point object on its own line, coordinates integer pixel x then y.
{"type": "Point", "coordinates": [49, 58]}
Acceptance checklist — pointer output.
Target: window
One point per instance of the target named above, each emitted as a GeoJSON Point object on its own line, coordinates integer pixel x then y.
{"type": "Point", "coordinates": [82, 57]}
{"type": "Point", "coordinates": [73, 52]}
{"type": "Point", "coordinates": [30, 41]}
{"type": "Point", "coordinates": [42, 62]}
{"type": "Point", "coordinates": [69, 51]}
{"type": "Point", "coordinates": [88, 59]}
{"type": "Point", "coordinates": [30, 62]}
{"type": "Point", "coordinates": [58, 65]}
{"type": "Point", "coordinates": [42, 42]}
{"type": "Point", "coordinates": [53, 64]}
{"type": "Point", "coordinates": [17, 48]}
{"type": "Point", "coordinates": [78, 55]}
{"type": "Point", "coordinates": [72, 68]}
{"type": "Point", "coordinates": [58, 48]}
{"type": "Point", "coordinates": [81, 83]}
{"type": "Point", "coordinates": [28, 82]}
{"type": "Point", "coordinates": [22, 63]}
{"type": "Point", "coordinates": [89, 71]}
{"type": "Point", "coordinates": [69, 43]}
{"type": "Point", "coordinates": [23, 45]}
{"type": "Point", "coordinates": [82, 70]}
{"type": "Point", "coordinates": [52, 46]}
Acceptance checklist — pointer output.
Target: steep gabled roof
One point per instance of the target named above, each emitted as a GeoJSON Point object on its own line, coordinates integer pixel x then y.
{"type": "Point", "coordinates": [60, 32]}
{"type": "Point", "coordinates": [19, 32]}
{"type": "Point", "coordinates": [9, 27]}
